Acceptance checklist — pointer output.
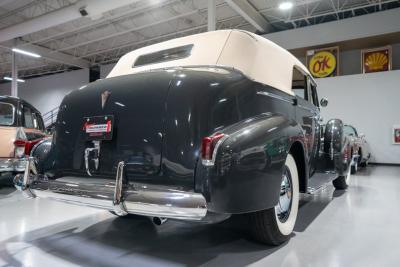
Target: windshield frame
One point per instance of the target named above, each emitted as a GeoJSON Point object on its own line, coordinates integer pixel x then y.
{"type": "Point", "coordinates": [13, 114]}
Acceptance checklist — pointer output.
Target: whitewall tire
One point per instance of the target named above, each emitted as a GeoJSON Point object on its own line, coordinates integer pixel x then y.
{"type": "Point", "coordinates": [275, 225]}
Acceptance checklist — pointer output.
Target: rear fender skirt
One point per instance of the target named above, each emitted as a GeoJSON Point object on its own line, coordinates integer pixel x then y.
{"type": "Point", "coordinates": [248, 169]}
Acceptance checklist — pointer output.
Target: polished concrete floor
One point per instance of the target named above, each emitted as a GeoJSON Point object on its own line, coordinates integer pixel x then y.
{"type": "Point", "coordinates": [359, 227]}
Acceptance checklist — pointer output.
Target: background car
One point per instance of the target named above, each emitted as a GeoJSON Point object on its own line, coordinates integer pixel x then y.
{"type": "Point", "coordinates": [21, 127]}
{"type": "Point", "coordinates": [360, 147]}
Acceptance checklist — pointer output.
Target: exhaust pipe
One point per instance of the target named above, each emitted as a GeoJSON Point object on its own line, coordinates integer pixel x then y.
{"type": "Point", "coordinates": [159, 220]}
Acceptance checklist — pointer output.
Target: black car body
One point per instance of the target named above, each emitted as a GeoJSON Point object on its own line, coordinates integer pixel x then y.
{"type": "Point", "coordinates": [163, 136]}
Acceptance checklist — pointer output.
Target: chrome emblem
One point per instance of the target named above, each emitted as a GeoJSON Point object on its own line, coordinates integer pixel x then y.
{"type": "Point", "coordinates": [104, 97]}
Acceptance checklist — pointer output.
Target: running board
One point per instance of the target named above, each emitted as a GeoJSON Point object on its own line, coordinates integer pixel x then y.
{"type": "Point", "coordinates": [319, 181]}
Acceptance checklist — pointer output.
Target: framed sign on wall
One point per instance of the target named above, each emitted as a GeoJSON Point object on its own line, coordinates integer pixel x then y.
{"type": "Point", "coordinates": [323, 62]}
{"type": "Point", "coordinates": [396, 134]}
{"type": "Point", "coordinates": [376, 59]}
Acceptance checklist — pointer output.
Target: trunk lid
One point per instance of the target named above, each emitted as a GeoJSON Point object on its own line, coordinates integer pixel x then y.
{"type": "Point", "coordinates": [137, 104]}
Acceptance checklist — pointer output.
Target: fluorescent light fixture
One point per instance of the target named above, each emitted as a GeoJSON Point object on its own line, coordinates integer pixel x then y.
{"type": "Point", "coordinates": [285, 5]}
{"type": "Point", "coordinates": [20, 51]}
{"type": "Point", "coordinates": [10, 79]}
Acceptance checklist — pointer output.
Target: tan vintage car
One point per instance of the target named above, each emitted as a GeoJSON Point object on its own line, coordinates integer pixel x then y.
{"type": "Point", "coordinates": [21, 127]}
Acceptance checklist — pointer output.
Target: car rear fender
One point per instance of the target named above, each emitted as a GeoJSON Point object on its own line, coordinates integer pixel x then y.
{"type": "Point", "coordinates": [247, 172]}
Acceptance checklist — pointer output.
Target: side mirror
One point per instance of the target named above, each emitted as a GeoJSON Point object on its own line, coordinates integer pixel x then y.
{"type": "Point", "coordinates": [361, 135]}
{"type": "Point", "coordinates": [323, 102]}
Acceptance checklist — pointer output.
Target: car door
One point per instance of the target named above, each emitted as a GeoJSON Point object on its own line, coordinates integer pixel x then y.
{"type": "Point", "coordinates": [316, 119]}
{"type": "Point", "coordinates": [305, 111]}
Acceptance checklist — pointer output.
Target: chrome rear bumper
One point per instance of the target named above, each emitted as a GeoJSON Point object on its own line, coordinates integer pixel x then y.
{"type": "Point", "coordinates": [12, 165]}
{"type": "Point", "coordinates": [122, 198]}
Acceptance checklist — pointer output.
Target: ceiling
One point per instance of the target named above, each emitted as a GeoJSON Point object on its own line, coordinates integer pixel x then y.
{"type": "Point", "coordinates": [105, 39]}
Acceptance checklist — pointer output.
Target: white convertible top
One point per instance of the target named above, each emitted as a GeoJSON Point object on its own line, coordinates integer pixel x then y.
{"type": "Point", "coordinates": [256, 57]}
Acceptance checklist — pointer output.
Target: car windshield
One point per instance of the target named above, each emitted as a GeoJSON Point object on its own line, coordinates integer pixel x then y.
{"type": "Point", "coordinates": [6, 114]}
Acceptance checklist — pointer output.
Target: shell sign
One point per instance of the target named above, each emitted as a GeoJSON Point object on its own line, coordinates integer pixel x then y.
{"type": "Point", "coordinates": [323, 62]}
{"type": "Point", "coordinates": [377, 59]}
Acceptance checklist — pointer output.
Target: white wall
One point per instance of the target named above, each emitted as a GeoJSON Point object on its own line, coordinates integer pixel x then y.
{"type": "Point", "coordinates": [47, 92]}
{"type": "Point", "coordinates": [370, 102]}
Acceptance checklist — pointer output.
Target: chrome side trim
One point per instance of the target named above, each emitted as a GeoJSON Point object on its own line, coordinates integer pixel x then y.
{"type": "Point", "coordinates": [275, 96]}
{"type": "Point", "coordinates": [207, 162]}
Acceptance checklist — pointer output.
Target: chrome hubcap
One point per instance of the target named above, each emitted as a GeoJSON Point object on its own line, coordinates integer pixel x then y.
{"type": "Point", "coordinates": [282, 209]}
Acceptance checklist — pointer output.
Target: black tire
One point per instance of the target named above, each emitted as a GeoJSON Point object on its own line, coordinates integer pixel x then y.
{"type": "Point", "coordinates": [342, 182]}
{"type": "Point", "coordinates": [364, 164]}
{"type": "Point", "coordinates": [265, 225]}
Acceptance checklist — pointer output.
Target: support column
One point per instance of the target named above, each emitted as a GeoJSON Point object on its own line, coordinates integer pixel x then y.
{"type": "Point", "coordinates": [211, 17]}
{"type": "Point", "coordinates": [14, 75]}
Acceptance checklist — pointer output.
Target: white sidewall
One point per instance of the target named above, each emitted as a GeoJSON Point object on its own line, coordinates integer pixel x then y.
{"type": "Point", "coordinates": [286, 228]}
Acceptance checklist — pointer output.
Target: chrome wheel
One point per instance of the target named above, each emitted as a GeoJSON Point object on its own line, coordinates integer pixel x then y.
{"type": "Point", "coordinates": [283, 207]}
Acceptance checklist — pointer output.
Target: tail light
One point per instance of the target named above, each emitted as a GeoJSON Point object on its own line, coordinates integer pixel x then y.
{"type": "Point", "coordinates": [24, 147]}
{"type": "Point", "coordinates": [208, 146]}
{"type": "Point", "coordinates": [346, 153]}
{"type": "Point", "coordinates": [19, 148]}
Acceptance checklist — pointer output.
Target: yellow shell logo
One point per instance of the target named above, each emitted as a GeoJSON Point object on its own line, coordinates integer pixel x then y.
{"type": "Point", "coordinates": [376, 61]}
{"type": "Point", "coordinates": [322, 64]}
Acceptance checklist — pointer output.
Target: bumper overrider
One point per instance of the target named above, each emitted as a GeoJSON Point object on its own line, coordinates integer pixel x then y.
{"type": "Point", "coordinates": [118, 196]}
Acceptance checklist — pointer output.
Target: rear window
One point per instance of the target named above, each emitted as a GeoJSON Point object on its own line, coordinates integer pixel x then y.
{"type": "Point", "coordinates": [6, 114]}
{"type": "Point", "coordinates": [164, 55]}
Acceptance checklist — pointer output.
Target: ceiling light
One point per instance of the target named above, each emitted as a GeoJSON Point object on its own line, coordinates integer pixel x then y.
{"type": "Point", "coordinates": [10, 79]}
{"type": "Point", "coordinates": [285, 5]}
{"type": "Point", "coordinates": [16, 50]}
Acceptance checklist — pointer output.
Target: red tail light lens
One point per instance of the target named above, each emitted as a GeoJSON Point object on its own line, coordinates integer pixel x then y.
{"type": "Point", "coordinates": [19, 148]}
{"type": "Point", "coordinates": [208, 145]}
{"type": "Point", "coordinates": [24, 147]}
{"type": "Point", "coordinates": [29, 145]}
{"type": "Point", "coordinates": [19, 142]}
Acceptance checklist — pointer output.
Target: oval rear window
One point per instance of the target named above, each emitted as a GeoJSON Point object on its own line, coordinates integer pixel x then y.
{"type": "Point", "coordinates": [164, 55]}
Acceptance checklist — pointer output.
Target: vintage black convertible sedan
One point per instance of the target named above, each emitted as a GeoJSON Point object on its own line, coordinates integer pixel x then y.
{"type": "Point", "coordinates": [196, 128]}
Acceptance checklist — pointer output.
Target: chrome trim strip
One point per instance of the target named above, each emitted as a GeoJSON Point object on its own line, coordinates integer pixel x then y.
{"type": "Point", "coordinates": [275, 96]}
{"type": "Point", "coordinates": [207, 162]}
{"type": "Point", "coordinates": [306, 108]}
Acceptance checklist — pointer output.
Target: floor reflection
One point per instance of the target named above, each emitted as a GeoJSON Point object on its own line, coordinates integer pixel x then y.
{"type": "Point", "coordinates": [136, 241]}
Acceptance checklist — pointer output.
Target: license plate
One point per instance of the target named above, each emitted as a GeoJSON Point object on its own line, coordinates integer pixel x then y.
{"type": "Point", "coordinates": [98, 127]}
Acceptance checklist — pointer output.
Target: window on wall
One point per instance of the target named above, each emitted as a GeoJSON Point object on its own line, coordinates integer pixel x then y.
{"type": "Point", "coordinates": [299, 84]}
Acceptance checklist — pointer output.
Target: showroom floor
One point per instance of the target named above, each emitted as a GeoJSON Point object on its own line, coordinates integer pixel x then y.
{"type": "Point", "coordinates": [359, 227]}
